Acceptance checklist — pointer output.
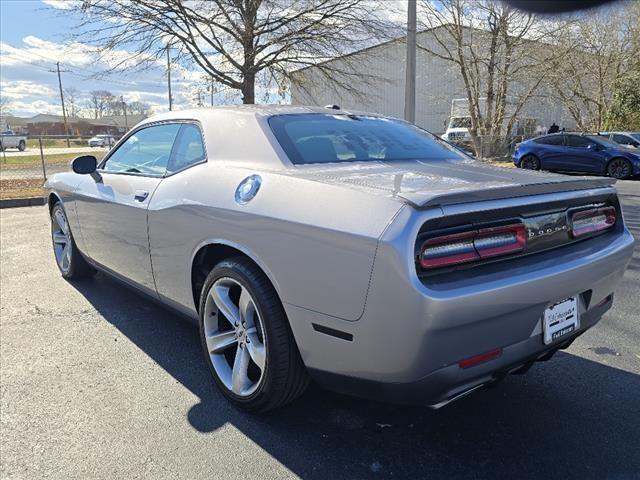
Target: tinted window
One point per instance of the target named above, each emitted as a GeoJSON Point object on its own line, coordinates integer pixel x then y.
{"type": "Point", "coordinates": [576, 141]}
{"type": "Point", "coordinates": [460, 122]}
{"type": "Point", "coordinates": [623, 139]}
{"type": "Point", "coordinates": [325, 138]}
{"type": "Point", "coordinates": [605, 142]}
{"type": "Point", "coordinates": [147, 151]}
{"type": "Point", "coordinates": [188, 150]}
{"type": "Point", "coordinates": [551, 140]}
{"type": "Point", "coordinates": [636, 136]}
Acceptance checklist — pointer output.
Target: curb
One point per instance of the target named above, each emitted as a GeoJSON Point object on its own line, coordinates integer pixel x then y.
{"type": "Point", "coordinates": [21, 202]}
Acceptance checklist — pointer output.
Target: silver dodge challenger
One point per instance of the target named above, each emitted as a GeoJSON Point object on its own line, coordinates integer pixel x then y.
{"type": "Point", "coordinates": [349, 248]}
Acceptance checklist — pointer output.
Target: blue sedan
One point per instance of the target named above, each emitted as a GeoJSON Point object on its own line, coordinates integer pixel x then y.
{"type": "Point", "coordinates": [577, 153]}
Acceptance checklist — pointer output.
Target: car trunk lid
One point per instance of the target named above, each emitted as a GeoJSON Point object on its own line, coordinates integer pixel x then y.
{"type": "Point", "coordinates": [445, 182]}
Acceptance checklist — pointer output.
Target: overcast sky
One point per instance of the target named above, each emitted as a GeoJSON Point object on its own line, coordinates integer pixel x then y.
{"type": "Point", "coordinates": [34, 35]}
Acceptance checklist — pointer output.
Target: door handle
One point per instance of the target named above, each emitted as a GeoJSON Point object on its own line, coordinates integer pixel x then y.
{"type": "Point", "coordinates": [141, 195]}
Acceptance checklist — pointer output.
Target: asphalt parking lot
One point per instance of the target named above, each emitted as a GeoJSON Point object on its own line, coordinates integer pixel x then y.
{"type": "Point", "coordinates": [97, 382]}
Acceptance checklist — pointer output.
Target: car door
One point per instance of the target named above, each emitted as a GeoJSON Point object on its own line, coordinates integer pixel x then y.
{"type": "Point", "coordinates": [550, 150]}
{"type": "Point", "coordinates": [112, 204]}
{"type": "Point", "coordinates": [175, 224]}
{"type": "Point", "coordinates": [583, 154]}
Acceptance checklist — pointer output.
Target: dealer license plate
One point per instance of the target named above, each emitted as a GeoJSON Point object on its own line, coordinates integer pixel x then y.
{"type": "Point", "coordinates": [560, 319]}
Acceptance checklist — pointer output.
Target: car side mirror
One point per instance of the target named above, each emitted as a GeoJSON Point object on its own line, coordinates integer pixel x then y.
{"type": "Point", "coordinates": [85, 164]}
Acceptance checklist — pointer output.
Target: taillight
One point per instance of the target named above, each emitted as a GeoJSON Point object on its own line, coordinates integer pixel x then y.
{"type": "Point", "coordinates": [472, 246]}
{"type": "Point", "coordinates": [593, 220]}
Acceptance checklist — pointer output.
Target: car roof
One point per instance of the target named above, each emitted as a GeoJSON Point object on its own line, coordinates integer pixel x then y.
{"type": "Point", "coordinates": [618, 133]}
{"type": "Point", "coordinates": [205, 113]}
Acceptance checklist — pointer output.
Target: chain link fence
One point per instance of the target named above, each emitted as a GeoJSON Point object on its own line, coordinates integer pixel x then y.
{"type": "Point", "coordinates": [22, 173]}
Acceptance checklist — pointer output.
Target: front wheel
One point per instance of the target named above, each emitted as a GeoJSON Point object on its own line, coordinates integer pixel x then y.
{"type": "Point", "coordinates": [22, 145]}
{"type": "Point", "coordinates": [246, 338]}
{"type": "Point", "coordinates": [619, 168]}
{"type": "Point", "coordinates": [530, 162]}
{"type": "Point", "coordinates": [68, 257]}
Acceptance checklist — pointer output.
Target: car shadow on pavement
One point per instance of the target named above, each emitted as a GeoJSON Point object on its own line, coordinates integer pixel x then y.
{"type": "Point", "coordinates": [569, 417]}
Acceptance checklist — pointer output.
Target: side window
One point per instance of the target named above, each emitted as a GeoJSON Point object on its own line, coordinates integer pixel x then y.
{"type": "Point", "coordinates": [188, 150]}
{"type": "Point", "coordinates": [579, 142]}
{"type": "Point", "coordinates": [147, 151]}
{"type": "Point", "coordinates": [622, 139]}
{"type": "Point", "coordinates": [551, 140]}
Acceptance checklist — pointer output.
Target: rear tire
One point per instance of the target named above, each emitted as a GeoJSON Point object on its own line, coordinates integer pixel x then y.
{"type": "Point", "coordinates": [530, 162]}
{"type": "Point", "coordinates": [619, 168]}
{"type": "Point", "coordinates": [252, 356]}
{"type": "Point", "coordinates": [70, 261]}
{"type": "Point", "coordinates": [22, 146]}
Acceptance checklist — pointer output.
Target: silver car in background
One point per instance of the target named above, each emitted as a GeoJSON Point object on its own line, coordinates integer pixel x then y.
{"type": "Point", "coordinates": [101, 141]}
{"type": "Point", "coordinates": [628, 139]}
{"type": "Point", "coordinates": [353, 249]}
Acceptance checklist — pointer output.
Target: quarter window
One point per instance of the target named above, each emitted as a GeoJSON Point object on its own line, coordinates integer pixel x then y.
{"type": "Point", "coordinates": [145, 152]}
{"type": "Point", "coordinates": [188, 150]}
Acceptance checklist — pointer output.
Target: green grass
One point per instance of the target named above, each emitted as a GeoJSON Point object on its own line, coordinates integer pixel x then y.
{"type": "Point", "coordinates": [56, 142]}
{"type": "Point", "coordinates": [30, 160]}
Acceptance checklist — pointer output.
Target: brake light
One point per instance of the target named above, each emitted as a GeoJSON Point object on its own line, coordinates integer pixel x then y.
{"type": "Point", "coordinates": [472, 246]}
{"type": "Point", "coordinates": [593, 220]}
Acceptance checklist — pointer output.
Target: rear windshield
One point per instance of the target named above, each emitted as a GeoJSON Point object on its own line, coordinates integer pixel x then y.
{"type": "Point", "coordinates": [331, 138]}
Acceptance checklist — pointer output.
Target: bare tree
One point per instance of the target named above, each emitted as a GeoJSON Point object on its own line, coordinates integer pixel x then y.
{"type": "Point", "coordinates": [98, 103]}
{"type": "Point", "coordinates": [5, 105]}
{"type": "Point", "coordinates": [115, 106]}
{"type": "Point", "coordinates": [497, 52]}
{"type": "Point", "coordinates": [139, 108]}
{"type": "Point", "coordinates": [72, 99]}
{"type": "Point", "coordinates": [235, 42]}
{"type": "Point", "coordinates": [606, 48]}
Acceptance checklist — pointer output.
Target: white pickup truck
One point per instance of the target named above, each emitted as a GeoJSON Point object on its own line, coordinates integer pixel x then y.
{"type": "Point", "coordinates": [8, 139]}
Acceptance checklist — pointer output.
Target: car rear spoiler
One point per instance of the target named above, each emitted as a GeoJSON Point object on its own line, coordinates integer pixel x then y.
{"type": "Point", "coordinates": [510, 191]}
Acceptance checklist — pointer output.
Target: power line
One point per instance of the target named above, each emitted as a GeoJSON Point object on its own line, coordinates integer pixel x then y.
{"type": "Point", "coordinates": [85, 77]}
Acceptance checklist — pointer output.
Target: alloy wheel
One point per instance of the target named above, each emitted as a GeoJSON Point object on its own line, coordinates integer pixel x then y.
{"type": "Point", "coordinates": [530, 162]}
{"type": "Point", "coordinates": [619, 168]}
{"type": "Point", "coordinates": [61, 235]}
{"type": "Point", "coordinates": [234, 334]}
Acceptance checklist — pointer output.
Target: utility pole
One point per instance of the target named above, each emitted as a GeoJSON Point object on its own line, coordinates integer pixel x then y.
{"type": "Point", "coordinates": [64, 113]}
{"type": "Point", "coordinates": [410, 81]}
{"type": "Point", "coordinates": [124, 109]}
{"type": "Point", "coordinates": [169, 79]}
{"type": "Point", "coordinates": [211, 91]}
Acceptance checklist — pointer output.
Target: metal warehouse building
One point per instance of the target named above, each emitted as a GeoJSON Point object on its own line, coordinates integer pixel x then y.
{"type": "Point", "coordinates": [378, 86]}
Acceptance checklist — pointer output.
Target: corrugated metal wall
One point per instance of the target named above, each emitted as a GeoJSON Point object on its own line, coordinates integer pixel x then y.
{"type": "Point", "coordinates": [438, 82]}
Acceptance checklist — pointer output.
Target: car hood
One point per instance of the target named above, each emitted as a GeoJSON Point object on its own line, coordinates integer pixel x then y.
{"type": "Point", "coordinates": [444, 182]}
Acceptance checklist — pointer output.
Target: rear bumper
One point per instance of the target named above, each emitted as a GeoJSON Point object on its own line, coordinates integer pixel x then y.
{"type": "Point", "coordinates": [412, 334]}
{"type": "Point", "coordinates": [452, 382]}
